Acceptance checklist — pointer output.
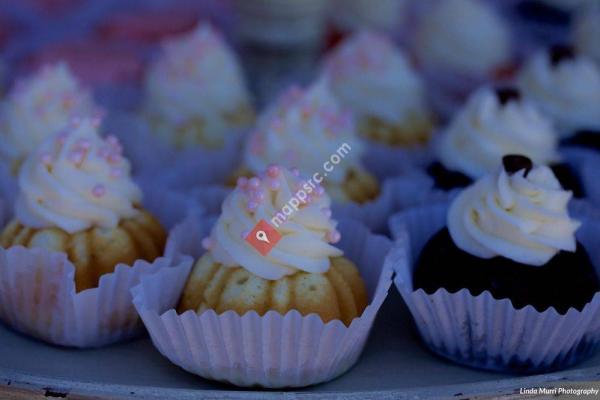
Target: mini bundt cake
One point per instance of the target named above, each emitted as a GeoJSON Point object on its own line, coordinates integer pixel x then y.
{"type": "Point", "coordinates": [302, 271]}
{"type": "Point", "coordinates": [309, 130]}
{"type": "Point", "coordinates": [186, 108]}
{"type": "Point", "coordinates": [76, 197]}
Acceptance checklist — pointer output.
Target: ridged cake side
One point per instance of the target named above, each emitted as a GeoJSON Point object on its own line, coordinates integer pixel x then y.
{"type": "Point", "coordinates": [95, 251]}
{"type": "Point", "coordinates": [338, 294]}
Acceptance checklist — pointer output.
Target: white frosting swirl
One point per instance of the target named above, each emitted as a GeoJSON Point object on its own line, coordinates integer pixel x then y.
{"type": "Point", "coordinates": [568, 92]}
{"type": "Point", "coordinates": [306, 233]}
{"type": "Point", "coordinates": [463, 35]}
{"type": "Point", "coordinates": [303, 129]}
{"type": "Point", "coordinates": [523, 218]}
{"type": "Point", "coordinates": [485, 130]}
{"type": "Point", "coordinates": [586, 33]}
{"type": "Point", "coordinates": [39, 107]}
{"type": "Point", "coordinates": [197, 77]}
{"type": "Point", "coordinates": [372, 77]}
{"type": "Point", "coordinates": [76, 180]}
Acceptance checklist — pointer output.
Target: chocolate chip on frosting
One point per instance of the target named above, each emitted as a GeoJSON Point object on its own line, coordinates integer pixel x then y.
{"type": "Point", "coordinates": [506, 94]}
{"type": "Point", "coordinates": [560, 53]}
{"type": "Point", "coordinates": [514, 163]}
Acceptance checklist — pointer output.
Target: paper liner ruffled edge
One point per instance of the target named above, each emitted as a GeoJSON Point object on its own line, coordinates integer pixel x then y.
{"type": "Point", "coordinates": [481, 331]}
{"type": "Point", "coordinates": [38, 298]}
{"type": "Point", "coordinates": [274, 350]}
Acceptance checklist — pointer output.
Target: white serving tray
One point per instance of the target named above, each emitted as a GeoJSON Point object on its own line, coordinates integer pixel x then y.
{"type": "Point", "coordinates": [394, 365]}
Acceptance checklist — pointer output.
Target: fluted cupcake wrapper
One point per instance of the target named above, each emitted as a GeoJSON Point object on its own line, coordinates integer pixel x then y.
{"type": "Point", "coordinates": [38, 298]}
{"type": "Point", "coordinates": [155, 160]}
{"type": "Point", "coordinates": [481, 331]}
{"type": "Point", "coordinates": [273, 350]}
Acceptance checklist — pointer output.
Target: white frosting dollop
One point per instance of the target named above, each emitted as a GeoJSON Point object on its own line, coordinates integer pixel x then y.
{"type": "Point", "coordinates": [568, 92]}
{"type": "Point", "coordinates": [76, 180]}
{"type": "Point", "coordinates": [40, 106]}
{"type": "Point", "coordinates": [523, 218]}
{"type": "Point", "coordinates": [306, 234]}
{"type": "Point", "coordinates": [196, 78]}
{"type": "Point", "coordinates": [464, 36]}
{"type": "Point", "coordinates": [586, 33]}
{"type": "Point", "coordinates": [485, 130]}
{"type": "Point", "coordinates": [372, 77]}
{"type": "Point", "coordinates": [303, 129]}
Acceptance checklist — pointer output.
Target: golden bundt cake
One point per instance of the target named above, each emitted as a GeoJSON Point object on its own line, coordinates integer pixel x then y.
{"type": "Point", "coordinates": [309, 130]}
{"type": "Point", "coordinates": [195, 93]}
{"type": "Point", "coordinates": [300, 269]}
{"type": "Point", "coordinates": [338, 294]}
{"type": "Point", "coordinates": [76, 196]}
{"type": "Point", "coordinates": [376, 81]}
{"type": "Point", "coordinates": [95, 251]}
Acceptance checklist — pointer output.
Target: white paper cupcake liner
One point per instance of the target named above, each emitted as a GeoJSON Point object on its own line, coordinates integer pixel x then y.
{"type": "Point", "coordinates": [37, 298]}
{"type": "Point", "coordinates": [274, 350]}
{"type": "Point", "coordinates": [481, 331]}
{"type": "Point", "coordinates": [155, 160]}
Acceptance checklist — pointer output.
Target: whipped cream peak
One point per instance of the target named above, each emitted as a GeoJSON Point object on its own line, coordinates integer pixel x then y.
{"type": "Point", "coordinates": [492, 125]}
{"type": "Point", "coordinates": [196, 77]}
{"type": "Point", "coordinates": [77, 180]}
{"type": "Point", "coordinates": [463, 36]}
{"type": "Point", "coordinates": [372, 77]}
{"type": "Point", "coordinates": [521, 215]}
{"type": "Point", "coordinates": [303, 129]}
{"type": "Point", "coordinates": [307, 232]}
{"type": "Point", "coordinates": [565, 86]}
{"type": "Point", "coordinates": [40, 106]}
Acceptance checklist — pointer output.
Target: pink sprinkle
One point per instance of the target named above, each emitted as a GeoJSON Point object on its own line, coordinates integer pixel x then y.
{"type": "Point", "coordinates": [208, 243]}
{"type": "Point", "coordinates": [76, 156]}
{"type": "Point", "coordinates": [274, 185]}
{"type": "Point", "coordinates": [62, 138]}
{"type": "Point", "coordinates": [84, 144]}
{"type": "Point", "coordinates": [46, 158]}
{"type": "Point", "coordinates": [99, 190]}
{"type": "Point", "coordinates": [295, 172]}
{"type": "Point", "coordinates": [244, 234]}
{"type": "Point", "coordinates": [114, 158]}
{"type": "Point", "coordinates": [320, 191]}
{"type": "Point", "coordinates": [254, 183]}
{"type": "Point", "coordinates": [257, 196]}
{"type": "Point", "coordinates": [103, 152]}
{"type": "Point", "coordinates": [242, 182]}
{"type": "Point", "coordinates": [273, 171]}
{"type": "Point", "coordinates": [95, 121]}
{"type": "Point", "coordinates": [75, 122]}
{"type": "Point", "coordinates": [252, 205]}
{"type": "Point", "coordinates": [334, 236]}
{"type": "Point", "coordinates": [112, 140]}
{"type": "Point", "coordinates": [326, 212]}
{"type": "Point", "coordinates": [116, 173]}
